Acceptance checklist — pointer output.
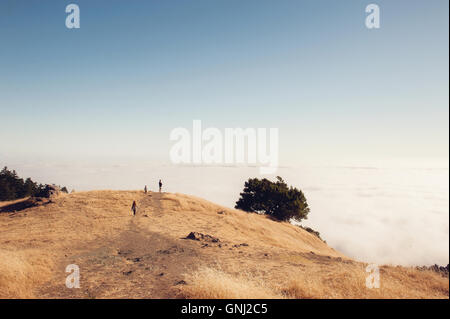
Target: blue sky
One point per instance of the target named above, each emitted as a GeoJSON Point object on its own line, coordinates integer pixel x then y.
{"type": "Point", "coordinates": [135, 70]}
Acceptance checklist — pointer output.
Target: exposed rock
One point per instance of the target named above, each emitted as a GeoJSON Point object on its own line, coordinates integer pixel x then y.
{"type": "Point", "coordinates": [202, 237]}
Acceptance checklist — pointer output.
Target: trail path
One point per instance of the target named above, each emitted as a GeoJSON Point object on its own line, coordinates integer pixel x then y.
{"type": "Point", "coordinates": [136, 263]}
{"type": "Point", "coordinates": [147, 256]}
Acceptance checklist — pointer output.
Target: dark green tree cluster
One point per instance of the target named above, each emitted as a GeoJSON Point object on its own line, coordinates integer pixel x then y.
{"type": "Point", "coordinates": [13, 187]}
{"type": "Point", "coordinates": [276, 199]}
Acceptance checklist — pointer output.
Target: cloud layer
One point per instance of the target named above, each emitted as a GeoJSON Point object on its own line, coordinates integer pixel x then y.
{"type": "Point", "coordinates": [374, 214]}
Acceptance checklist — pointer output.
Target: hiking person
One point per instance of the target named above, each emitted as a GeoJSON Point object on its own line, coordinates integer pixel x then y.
{"type": "Point", "coordinates": [145, 189]}
{"type": "Point", "coordinates": [160, 186]}
{"type": "Point", "coordinates": [134, 208]}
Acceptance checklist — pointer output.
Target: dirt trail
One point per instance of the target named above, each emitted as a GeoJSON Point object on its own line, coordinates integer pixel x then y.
{"type": "Point", "coordinates": [136, 260]}
{"type": "Point", "coordinates": [146, 256]}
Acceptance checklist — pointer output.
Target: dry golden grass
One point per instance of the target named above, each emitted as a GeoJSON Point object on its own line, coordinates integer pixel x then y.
{"type": "Point", "coordinates": [34, 239]}
{"type": "Point", "coordinates": [186, 213]}
{"type": "Point", "coordinates": [19, 275]}
{"type": "Point", "coordinates": [341, 283]}
{"type": "Point", "coordinates": [280, 261]}
{"type": "Point", "coordinates": [350, 282]}
{"type": "Point", "coordinates": [210, 283]}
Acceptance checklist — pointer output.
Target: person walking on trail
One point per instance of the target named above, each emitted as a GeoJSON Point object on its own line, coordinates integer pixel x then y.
{"type": "Point", "coordinates": [160, 186]}
{"type": "Point", "coordinates": [134, 208]}
{"type": "Point", "coordinates": [145, 189]}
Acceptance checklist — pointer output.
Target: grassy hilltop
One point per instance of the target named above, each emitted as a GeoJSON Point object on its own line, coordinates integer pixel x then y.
{"type": "Point", "coordinates": [240, 255]}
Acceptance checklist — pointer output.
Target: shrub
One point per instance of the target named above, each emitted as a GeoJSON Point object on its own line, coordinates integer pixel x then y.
{"type": "Point", "coordinates": [273, 198]}
{"type": "Point", "coordinates": [312, 231]}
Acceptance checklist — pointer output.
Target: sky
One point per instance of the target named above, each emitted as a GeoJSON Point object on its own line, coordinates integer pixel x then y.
{"type": "Point", "coordinates": [362, 113]}
{"type": "Point", "coordinates": [135, 70]}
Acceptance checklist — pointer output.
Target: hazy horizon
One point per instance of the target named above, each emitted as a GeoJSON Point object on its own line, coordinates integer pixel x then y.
{"type": "Point", "coordinates": [371, 212]}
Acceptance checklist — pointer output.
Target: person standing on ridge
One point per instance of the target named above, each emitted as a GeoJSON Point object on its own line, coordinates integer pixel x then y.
{"type": "Point", "coordinates": [160, 186]}
{"type": "Point", "coordinates": [145, 189]}
{"type": "Point", "coordinates": [134, 208]}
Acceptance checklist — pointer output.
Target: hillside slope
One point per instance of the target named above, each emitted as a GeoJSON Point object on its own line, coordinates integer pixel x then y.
{"type": "Point", "coordinates": [148, 256]}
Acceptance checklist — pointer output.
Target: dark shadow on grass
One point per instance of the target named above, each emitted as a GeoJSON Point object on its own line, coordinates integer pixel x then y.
{"type": "Point", "coordinates": [22, 205]}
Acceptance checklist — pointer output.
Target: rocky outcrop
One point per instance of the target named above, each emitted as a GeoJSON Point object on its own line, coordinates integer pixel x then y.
{"type": "Point", "coordinates": [202, 237]}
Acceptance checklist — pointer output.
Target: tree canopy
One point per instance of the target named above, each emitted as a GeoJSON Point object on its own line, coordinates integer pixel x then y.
{"type": "Point", "coordinates": [276, 199]}
{"type": "Point", "coordinates": [13, 187]}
